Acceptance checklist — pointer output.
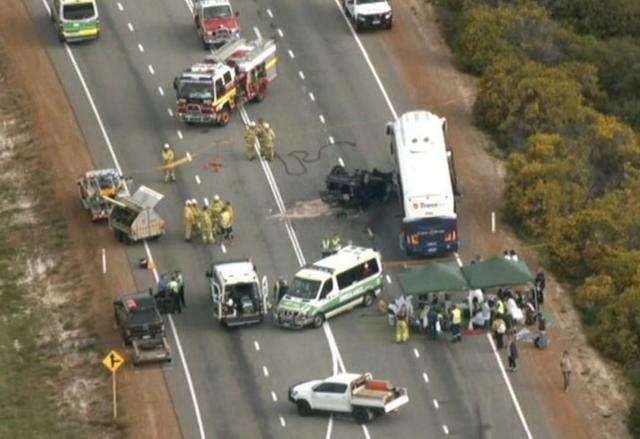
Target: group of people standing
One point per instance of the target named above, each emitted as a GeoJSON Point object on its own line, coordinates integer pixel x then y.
{"type": "Point", "coordinates": [213, 222]}
{"type": "Point", "coordinates": [266, 137]}
{"type": "Point", "coordinates": [170, 292]}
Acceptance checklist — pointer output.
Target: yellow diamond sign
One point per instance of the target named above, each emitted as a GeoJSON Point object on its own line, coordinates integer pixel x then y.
{"type": "Point", "coordinates": [113, 361]}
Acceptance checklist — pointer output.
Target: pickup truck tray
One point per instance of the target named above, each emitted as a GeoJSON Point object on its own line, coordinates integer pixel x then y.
{"type": "Point", "coordinates": [151, 350]}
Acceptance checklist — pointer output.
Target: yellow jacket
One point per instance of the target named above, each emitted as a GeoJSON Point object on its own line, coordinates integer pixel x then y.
{"type": "Point", "coordinates": [168, 156]}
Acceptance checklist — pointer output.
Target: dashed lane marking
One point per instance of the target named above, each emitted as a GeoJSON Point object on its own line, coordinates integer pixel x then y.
{"type": "Point", "coordinates": [150, 67]}
{"type": "Point", "coordinates": [130, 26]}
{"type": "Point", "coordinates": [265, 371]}
{"type": "Point", "coordinates": [120, 6]}
{"type": "Point", "coordinates": [161, 91]}
{"type": "Point", "coordinates": [270, 13]}
{"type": "Point", "coordinates": [445, 429]}
{"type": "Point", "coordinates": [256, 345]}
{"type": "Point", "coordinates": [370, 232]}
{"type": "Point", "coordinates": [311, 96]}
{"type": "Point", "coordinates": [257, 32]}
{"type": "Point", "coordinates": [179, 134]}
{"type": "Point", "coordinates": [291, 55]}
{"type": "Point", "coordinates": [197, 179]}
{"type": "Point", "coordinates": [435, 403]}
{"type": "Point", "coordinates": [301, 74]}
{"type": "Point", "coordinates": [339, 159]}
{"type": "Point", "coordinates": [322, 119]}
{"type": "Point", "coordinates": [425, 377]}
{"type": "Point", "coordinates": [416, 353]}
{"type": "Point", "coordinates": [223, 248]}
{"type": "Point", "coordinates": [331, 141]}
{"type": "Point", "coordinates": [140, 47]}
{"type": "Point", "coordinates": [170, 111]}
{"type": "Point", "coordinates": [206, 201]}
{"type": "Point", "coordinates": [280, 33]}
{"type": "Point", "coordinates": [282, 422]}
{"type": "Point", "coordinates": [388, 279]}
{"type": "Point", "coordinates": [274, 396]}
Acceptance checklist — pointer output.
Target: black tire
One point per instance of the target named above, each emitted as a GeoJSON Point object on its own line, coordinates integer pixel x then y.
{"type": "Point", "coordinates": [303, 408]}
{"type": "Point", "coordinates": [224, 116]}
{"type": "Point", "coordinates": [338, 170]}
{"type": "Point", "coordinates": [362, 415]}
{"type": "Point", "coordinates": [318, 320]}
{"type": "Point", "coordinates": [205, 45]}
{"type": "Point", "coordinates": [369, 299]}
{"type": "Point", "coordinates": [390, 24]}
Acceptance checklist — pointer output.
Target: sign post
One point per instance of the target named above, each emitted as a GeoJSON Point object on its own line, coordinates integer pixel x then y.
{"type": "Point", "coordinates": [113, 361]}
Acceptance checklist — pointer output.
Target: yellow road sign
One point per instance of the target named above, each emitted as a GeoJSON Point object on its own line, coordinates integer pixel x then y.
{"type": "Point", "coordinates": [113, 361]}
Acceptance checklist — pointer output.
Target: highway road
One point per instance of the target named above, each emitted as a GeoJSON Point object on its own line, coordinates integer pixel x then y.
{"type": "Point", "coordinates": [334, 94]}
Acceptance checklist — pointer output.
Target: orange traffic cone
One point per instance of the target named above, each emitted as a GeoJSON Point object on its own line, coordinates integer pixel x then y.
{"type": "Point", "coordinates": [151, 265]}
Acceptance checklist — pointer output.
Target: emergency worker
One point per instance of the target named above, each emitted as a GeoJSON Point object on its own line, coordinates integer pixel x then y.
{"type": "Point", "coordinates": [197, 213]}
{"type": "Point", "coordinates": [402, 324]}
{"type": "Point", "coordinates": [174, 290]}
{"type": "Point", "coordinates": [226, 224]}
{"type": "Point", "coordinates": [336, 243]}
{"type": "Point", "coordinates": [180, 280]}
{"type": "Point", "coordinates": [218, 205]}
{"type": "Point", "coordinates": [206, 227]}
{"type": "Point", "coordinates": [189, 220]}
{"type": "Point", "coordinates": [250, 140]}
{"type": "Point", "coordinates": [168, 160]}
{"type": "Point", "coordinates": [456, 324]}
{"type": "Point", "coordinates": [267, 138]}
{"type": "Point", "coordinates": [326, 247]}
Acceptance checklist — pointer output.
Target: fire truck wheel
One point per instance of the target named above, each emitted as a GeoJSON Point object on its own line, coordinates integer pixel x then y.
{"type": "Point", "coordinates": [205, 45]}
{"type": "Point", "coordinates": [261, 93]}
{"type": "Point", "coordinates": [224, 116]}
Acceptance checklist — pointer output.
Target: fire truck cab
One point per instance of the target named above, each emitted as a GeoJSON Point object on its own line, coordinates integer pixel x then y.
{"type": "Point", "coordinates": [216, 22]}
{"type": "Point", "coordinates": [238, 72]}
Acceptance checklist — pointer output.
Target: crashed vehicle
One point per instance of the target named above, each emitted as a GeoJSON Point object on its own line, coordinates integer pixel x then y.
{"type": "Point", "coordinates": [358, 190]}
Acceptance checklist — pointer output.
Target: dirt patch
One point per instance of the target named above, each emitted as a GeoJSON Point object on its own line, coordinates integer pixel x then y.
{"type": "Point", "coordinates": [63, 148]}
{"type": "Point", "coordinates": [596, 406]}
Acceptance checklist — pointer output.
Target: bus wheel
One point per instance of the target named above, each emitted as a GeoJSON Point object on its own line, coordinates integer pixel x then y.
{"type": "Point", "coordinates": [318, 320]}
{"type": "Point", "coordinates": [369, 298]}
{"type": "Point", "coordinates": [224, 116]}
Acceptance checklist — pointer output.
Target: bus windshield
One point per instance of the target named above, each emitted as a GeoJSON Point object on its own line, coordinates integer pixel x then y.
{"type": "Point", "coordinates": [304, 288]}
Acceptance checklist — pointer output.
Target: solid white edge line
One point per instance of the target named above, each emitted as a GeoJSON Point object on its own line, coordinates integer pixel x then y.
{"type": "Point", "coordinates": [329, 427]}
{"type": "Point", "coordinates": [116, 163]}
{"type": "Point", "coordinates": [368, 60]}
{"type": "Point", "coordinates": [514, 398]}
{"type": "Point", "coordinates": [198, 179]}
{"type": "Point", "coordinates": [256, 345]}
{"type": "Point", "coordinates": [104, 261]}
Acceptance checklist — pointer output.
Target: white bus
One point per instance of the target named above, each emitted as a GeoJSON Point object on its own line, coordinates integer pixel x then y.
{"type": "Point", "coordinates": [426, 183]}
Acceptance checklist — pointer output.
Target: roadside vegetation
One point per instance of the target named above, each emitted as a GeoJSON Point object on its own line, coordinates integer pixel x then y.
{"type": "Point", "coordinates": [559, 91]}
{"type": "Point", "coordinates": [50, 379]}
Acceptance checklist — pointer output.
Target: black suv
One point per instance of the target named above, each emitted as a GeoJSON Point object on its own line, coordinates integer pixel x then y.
{"type": "Point", "coordinates": [138, 317]}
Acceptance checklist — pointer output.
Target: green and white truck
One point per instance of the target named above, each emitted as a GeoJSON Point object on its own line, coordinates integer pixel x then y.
{"type": "Point", "coordinates": [337, 283]}
{"type": "Point", "coordinates": [76, 20]}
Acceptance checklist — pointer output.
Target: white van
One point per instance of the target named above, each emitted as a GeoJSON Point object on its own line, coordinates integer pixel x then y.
{"type": "Point", "coordinates": [337, 283]}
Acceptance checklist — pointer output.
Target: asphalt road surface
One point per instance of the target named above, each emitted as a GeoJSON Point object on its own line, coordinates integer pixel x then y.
{"type": "Point", "coordinates": [330, 103]}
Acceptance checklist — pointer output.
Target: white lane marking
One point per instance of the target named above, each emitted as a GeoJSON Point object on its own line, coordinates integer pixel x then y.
{"type": "Point", "coordinates": [388, 279]}
{"type": "Point", "coordinates": [370, 232]}
{"type": "Point", "coordinates": [256, 345]}
{"type": "Point", "coordinates": [161, 91]}
{"type": "Point", "coordinates": [416, 353]}
{"type": "Point", "coordinates": [458, 260]}
{"type": "Point", "coordinates": [170, 111]}
{"type": "Point", "coordinates": [116, 163]}
{"type": "Point", "coordinates": [339, 158]}
{"type": "Point", "coordinates": [280, 33]}
{"type": "Point", "coordinates": [331, 141]}
{"type": "Point", "coordinates": [270, 13]}
{"type": "Point", "coordinates": [104, 261]}
{"type": "Point", "coordinates": [365, 430]}
{"type": "Point", "coordinates": [435, 403]}
{"type": "Point", "coordinates": [274, 396]}
{"type": "Point", "coordinates": [150, 67]}
{"type": "Point", "coordinates": [311, 96]}
{"type": "Point", "coordinates": [329, 427]}
{"type": "Point", "coordinates": [223, 248]}
{"type": "Point", "coordinates": [265, 371]}
{"type": "Point", "coordinates": [179, 134]}
{"type": "Point", "coordinates": [282, 422]}
{"type": "Point", "coordinates": [322, 119]}
{"type": "Point", "coordinates": [514, 398]}
{"type": "Point", "coordinates": [130, 26]}
{"type": "Point", "coordinates": [445, 429]}
{"type": "Point", "coordinates": [206, 201]}
{"type": "Point", "coordinates": [291, 55]}
{"type": "Point", "coordinates": [197, 179]}
{"type": "Point", "coordinates": [368, 60]}
{"type": "Point", "coordinates": [120, 6]}
{"type": "Point", "coordinates": [301, 74]}
{"type": "Point", "coordinates": [140, 47]}
{"type": "Point", "coordinates": [334, 346]}
{"type": "Point", "coordinates": [257, 32]}
{"type": "Point", "coordinates": [425, 377]}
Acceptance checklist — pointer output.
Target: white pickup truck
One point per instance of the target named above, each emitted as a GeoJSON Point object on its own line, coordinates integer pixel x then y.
{"type": "Point", "coordinates": [357, 394]}
{"type": "Point", "coordinates": [368, 13]}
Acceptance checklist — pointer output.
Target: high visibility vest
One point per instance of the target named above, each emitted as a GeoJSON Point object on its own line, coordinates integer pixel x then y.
{"type": "Point", "coordinates": [336, 244]}
{"type": "Point", "coordinates": [174, 287]}
{"type": "Point", "coordinates": [500, 307]}
{"type": "Point", "coordinates": [225, 219]}
{"type": "Point", "coordinates": [217, 206]}
{"type": "Point", "coordinates": [188, 214]}
{"type": "Point", "coordinates": [457, 316]}
{"type": "Point", "coordinates": [168, 156]}
{"type": "Point", "coordinates": [326, 244]}
{"type": "Point", "coordinates": [180, 280]}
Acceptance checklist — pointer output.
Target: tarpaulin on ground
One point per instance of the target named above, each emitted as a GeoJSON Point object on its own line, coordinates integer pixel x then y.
{"type": "Point", "coordinates": [497, 272]}
{"type": "Point", "coordinates": [433, 277]}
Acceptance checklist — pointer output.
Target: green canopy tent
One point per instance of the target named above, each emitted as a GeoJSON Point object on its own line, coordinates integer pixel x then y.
{"type": "Point", "coordinates": [497, 272]}
{"type": "Point", "coordinates": [433, 277]}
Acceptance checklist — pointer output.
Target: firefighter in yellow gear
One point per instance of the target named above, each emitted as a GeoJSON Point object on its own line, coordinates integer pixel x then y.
{"type": "Point", "coordinates": [226, 224]}
{"type": "Point", "coordinates": [197, 212]}
{"type": "Point", "coordinates": [250, 140]}
{"type": "Point", "coordinates": [189, 220]}
{"type": "Point", "coordinates": [336, 244]}
{"type": "Point", "coordinates": [206, 228]}
{"type": "Point", "coordinates": [402, 324]}
{"type": "Point", "coordinates": [267, 138]}
{"type": "Point", "coordinates": [168, 160]}
{"type": "Point", "coordinates": [218, 205]}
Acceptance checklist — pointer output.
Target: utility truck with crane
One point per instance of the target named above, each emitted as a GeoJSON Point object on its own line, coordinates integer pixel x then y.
{"type": "Point", "coordinates": [238, 72]}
